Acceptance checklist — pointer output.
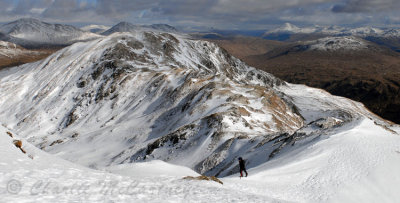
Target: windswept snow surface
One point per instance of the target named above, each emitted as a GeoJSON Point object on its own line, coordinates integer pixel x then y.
{"type": "Point", "coordinates": [358, 163]}
{"type": "Point", "coordinates": [46, 178]}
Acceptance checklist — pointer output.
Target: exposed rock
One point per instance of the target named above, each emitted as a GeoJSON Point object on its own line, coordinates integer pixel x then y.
{"type": "Point", "coordinates": [207, 178]}
{"type": "Point", "coordinates": [18, 144]}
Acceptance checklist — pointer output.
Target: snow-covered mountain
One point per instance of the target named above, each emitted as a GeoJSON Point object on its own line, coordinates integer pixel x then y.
{"type": "Point", "coordinates": [288, 28]}
{"type": "Point", "coordinates": [155, 96]}
{"type": "Point", "coordinates": [141, 96]}
{"type": "Point", "coordinates": [31, 32]}
{"type": "Point", "coordinates": [328, 45]}
{"type": "Point", "coordinates": [346, 43]}
{"type": "Point", "coordinates": [95, 28]}
{"type": "Point", "coordinates": [189, 96]}
{"type": "Point", "coordinates": [129, 27]}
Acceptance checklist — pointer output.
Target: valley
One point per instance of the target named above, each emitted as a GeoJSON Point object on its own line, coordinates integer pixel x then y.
{"type": "Point", "coordinates": [369, 75]}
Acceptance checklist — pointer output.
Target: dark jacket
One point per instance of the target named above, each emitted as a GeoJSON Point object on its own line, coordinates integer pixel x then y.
{"type": "Point", "coordinates": [241, 164]}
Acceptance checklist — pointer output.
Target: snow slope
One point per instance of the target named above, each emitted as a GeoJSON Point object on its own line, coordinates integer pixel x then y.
{"type": "Point", "coordinates": [46, 178]}
{"type": "Point", "coordinates": [358, 163]}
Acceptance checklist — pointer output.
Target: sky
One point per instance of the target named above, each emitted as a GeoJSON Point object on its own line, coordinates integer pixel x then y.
{"type": "Point", "coordinates": [217, 14]}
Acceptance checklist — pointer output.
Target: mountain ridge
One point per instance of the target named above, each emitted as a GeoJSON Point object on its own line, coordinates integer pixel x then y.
{"type": "Point", "coordinates": [288, 28]}
{"type": "Point", "coordinates": [189, 96]}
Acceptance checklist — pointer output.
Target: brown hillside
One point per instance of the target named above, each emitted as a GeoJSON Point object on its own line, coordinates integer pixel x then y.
{"type": "Point", "coordinates": [370, 76]}
{"type": "Point", "coordinates": [242, 47]}
{"type": "Point", "coordinates": [26, 57]}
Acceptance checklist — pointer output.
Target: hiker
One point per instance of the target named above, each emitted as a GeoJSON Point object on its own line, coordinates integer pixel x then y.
{"type": "Point", "coordinates": [242, 167]}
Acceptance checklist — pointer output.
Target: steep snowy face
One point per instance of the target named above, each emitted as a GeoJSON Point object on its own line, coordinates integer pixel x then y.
{"type": "Point", "coordinates": [144, 95]}
{"type": "Point", "coordinates": [35, 31]}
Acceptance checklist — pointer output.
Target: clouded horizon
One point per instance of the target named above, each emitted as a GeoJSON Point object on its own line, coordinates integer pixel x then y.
{"type": "Point", "coordinates": [219, 14]}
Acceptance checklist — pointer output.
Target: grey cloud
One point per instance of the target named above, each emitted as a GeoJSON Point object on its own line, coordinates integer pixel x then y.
{"type": "Point", "coordinates": [121, 8]}
{"type": "Point", "coordinates": [359, 6]}
{"type": "Point", "coordinates": [239, 14]}
{"type": "Point", "coordinates": [23, 7]}
{"type": "Point", "coordinates": [188, 7]}
{"type": "Point", "coordinates": [63, 9]}
{"type": "Point", "coordinates": [4, 5]}
{"type": "Point", "coordinates": [244, 13]}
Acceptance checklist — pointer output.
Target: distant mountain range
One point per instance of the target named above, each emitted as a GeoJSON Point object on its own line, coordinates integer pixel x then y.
{"type": "Point", "coordinates": [288, 28]}
{"type": "Point", "coordinates": [129, 27]}
{"type": "Point", "coordinates": [31, 32]}
{"type": "Point", "coordinates": [389, 37]}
